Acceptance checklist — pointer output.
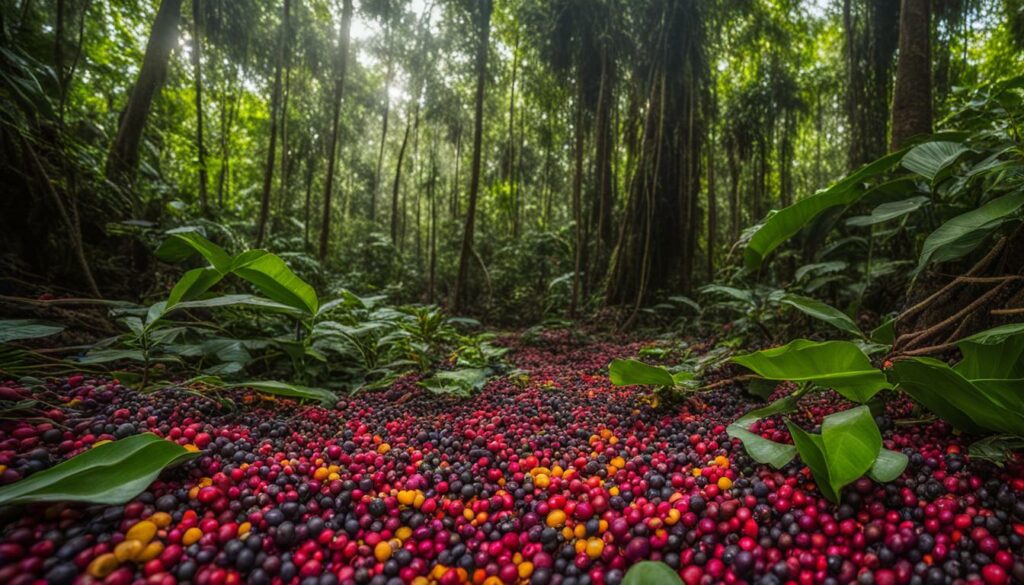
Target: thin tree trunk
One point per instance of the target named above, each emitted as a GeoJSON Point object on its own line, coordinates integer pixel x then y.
{"type": "Point", "coordinates": [275, 98]}
{"type": "Point", "coordinates": [339, 91]}
{"type": "Point", "coordinates": [383, 129]}
{"type": "Point", "coordinates": [510, 173]}
{"type": "Point", "coordinates": [455, 207]}
{"type": "Point", "coordinates": [283, 195]}
{"type": "Point", "coordinates": [431, 194]}
{"type": "Point", "coordinates": [577, 205]}
{"type": "Point", "coordinates": [712, 195]}
{"type": "Point", "coordinates": [478, 130]}
{"type": "Point", "coordinates": [912, 96]}
{"type": "Point", "coordinates": [310, 167]}
{"type": "Point", "coordinates": [395, 218]}
{"type": "Point", "coordinates": [197, 68]}
{"type": "Point", "coordinates": [123, 158]}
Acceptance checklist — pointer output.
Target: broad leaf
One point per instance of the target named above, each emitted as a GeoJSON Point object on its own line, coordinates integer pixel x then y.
{"type": "Point", "coordinates": [632, 372]}
{"type": "Point", "coordinates": [272, 277]}
{"type": "Point", "coordinates": [888, 211]}
{"type": "Point", "coordinates": [761, 449]}
{"type": "Point", "coordinates": [812, 453]}
{"type": "Point", "coordinates": [193, 284]}
{"type": "Point", "coordinates": [956, 399]}
{"type": "Point", "coordinates": [962, 234]}
{"type": "Point", "coordinates": [112, 473]}
{"type": "Point", "coordinates": [105, 356]}
{"type": "Point", "coordinates": [636, 373]}
{"type": "Point", "coordinates": [785, 223]}
{"type": "Point", "coordinates": [185, 242]}
{"type": "Point", "coordinates": [781, 406]}
{"type": "Point", "coordinates": [840, 365]}
{"type": "Point", "coordinates": [281, 389]}
{"type": "Point", "coordinates": [994, 353]}
{"type": "Point", "coordinates": [931, 158]}
{"type": "Point", "coordinates": [888, 466]}
{"type": "Point", "coordinates": [17, 329]}
{"type": "Point", "coordinates": [240, 301]}
{"type": "Point", "coordinates": [852, 442]}
{"type": "Point", "coordinates": [460, 382]}
{"type": "Point", "coordinates": [651, 573]}
{"type": "Point", "coordinates": [824, 312]}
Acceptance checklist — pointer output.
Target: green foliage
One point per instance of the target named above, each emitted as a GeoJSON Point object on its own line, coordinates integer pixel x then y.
{"type": "Point", "coordinates": [651, 573]}
{"type": "Point", "coordinates": [112, 473]}
{"type": "Point", "coordinates": [840, 365]}
{"type": "Point", "coordinates": [19, 329]}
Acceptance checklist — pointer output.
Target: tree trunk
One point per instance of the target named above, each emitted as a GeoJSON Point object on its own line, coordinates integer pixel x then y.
{"type": "Point", "coordinates": [605, 178]}
{"type": "Point", "coordinates": [283, 194]}
{"type": "Point", "coordinates": [712, 195]}
{"type": "Point", "coordinates": [478, 131]}
{"type": "Point", "coordinates": [577, 205]}
{"type": "Point", "coordinates": [197, 69]}
{"type": "Point", "coordinates": [395, 217]}
{"type": "Point", "coordinates": [123, 158]}
{"type": "Point", "coordinates": [510, 173]}
{"type": "Point", "coordinates": [275, 98]}
{"type": "Point", "coordinates": [383, 130]}
{"type": "Point", "coordinates": [306, 208]}
{"type": "Point", "coordinates": [912, 96]}
{"type": "Point", "coordinates": [339, 91]}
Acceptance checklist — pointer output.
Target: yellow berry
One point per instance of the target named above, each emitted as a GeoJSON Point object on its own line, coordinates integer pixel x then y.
{"type": "Point", "coordinates": [191, 536]}
{"type": "Point", "coordinates": [151, 552]}
{"type": "Point", "coordinates": [103, 565]}
{"type": "Point", "coordinates": [724, 483]}
{"type": "Point", "coordinates": [161, 519]}
{"type": "Point", "coordinates": [594, 547]}
{"type": "Point", "coordinates": [128, 550]}
{"type": "Point", "coordinates": [143, 532]}
{"type": "Point", "coordinates": [382, 552]}
{"type": "Point", "coordinates": [555, 518]}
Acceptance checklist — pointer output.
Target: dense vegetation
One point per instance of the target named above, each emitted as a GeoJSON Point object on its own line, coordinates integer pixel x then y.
{"type": "Point", "coordinates": [535, 291]}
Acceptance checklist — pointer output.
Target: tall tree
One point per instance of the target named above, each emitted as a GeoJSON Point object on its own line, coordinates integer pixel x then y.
{"type": "Point", "coordinates": [123, 158]}
{"type": "Point", "coordinates": [484, 32]}
{"type": "Point", "coordinates": [912, 96]}
{"type": "Point", "coordinates": [275, 98]}
{"type": "Point", "coordinates": [197, 72]}
{"type": "Point", "coordinates": [339, 92]}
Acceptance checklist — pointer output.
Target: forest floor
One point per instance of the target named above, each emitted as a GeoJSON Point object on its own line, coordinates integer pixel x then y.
{"type": "Point", "coordinates": [551, 476]}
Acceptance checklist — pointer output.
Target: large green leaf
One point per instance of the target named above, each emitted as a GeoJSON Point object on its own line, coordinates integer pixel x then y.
{"type": "Point", "coordinates": [785, 223]}
{"type": "Point", "coordinates": [290, 390]}
{"type": "Point", "coordinates": [888, 212]}
{"type": "Point", "coordinates": [824, 312]}
{"type": "Point", "coordinates": [761, 449]}
{"type": "Point", "coordinates": [185, 242]}
{"type": "Point", "coordinates": [852, 442]}
{"type": "Point", "coordinates": [994, 353]}
{"type": "Point", "coordinates": [888, 466]}
{"type": "Point", "coordinates": [193, 284]}
{"type": "Point", "coordinates": [781, 406]}
{"type": "Point", "coordinates": [931, 158]}
{"type": "Point", "coordinates": [962, 234]}
{"type": "Point", "coordinates": [651, 573]}
{"type": "Point", "coordinates": [956, 399]}
{"type": "Point", "coordinates": [840, 365]}
{"type": "Point", "coordinates": [17, 329]}
{"type": "Point", "coordinates": [272, 277]}
{"type": "Point", "coordinates": [240, 301]}
{"type": "Point", "coordinates": [812, 453]}
{"type": "Point", "coordinates": [112, 473]}
{"type": "Point", "coordinates": [633, 372]}
{"type": "Point", "coordinates": [459, 382]}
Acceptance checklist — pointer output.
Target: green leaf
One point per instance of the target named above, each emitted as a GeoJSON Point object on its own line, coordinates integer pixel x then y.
{"type": "Point", "coordinates": [326, 397]}
{"type": "Point", "coordinates": [636, 373]}
{"type": "Point", "coordinates": [186, 242]}
{"type": "Point", "coordinates": [931, 158]}
{"type": "Point", "coordinates": [192, 285]}
{"type": "Point", "coordinates": [994, 353]}
{"type": "Point", "coordinates": [104, 356]}
{"type": "Point", "coordinates": [780, 406]}
{"type": "Point", "coordinates": [956, 399]}
{"type": "Point", "coordinates": [460, 382]}
{"type": "Point", "coordinates": [272, 277]}
{"type": "Point", "coordinates": [17, 329]}
{"type": "Point", "coordinates": [241, 301]}
{"type": "Point", "coordinates": [888, 212]}
{"type": "Point", "coordinates": [888, 466]}
{"type": "Point", "coordinates": [962, 234]}
{"type": "Point", "coordinates": [852, 442]}
{"type": "Point", "coordinates": [761, 449]}
{"type": "Point", "coordinates": [812, 453]}
{"type": "Point", "coordinates": [840, 365]}
{"type": "Point", "coordinates": [824, 312]}
{"type": "Point", "coordinates": [112, 473]}
{"type": "Point", "coordinates": [885, 333]}
{"type": "Point", "coordinates": [651, 573]}
{"type": "Point", "coordinates": [785, 223]}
